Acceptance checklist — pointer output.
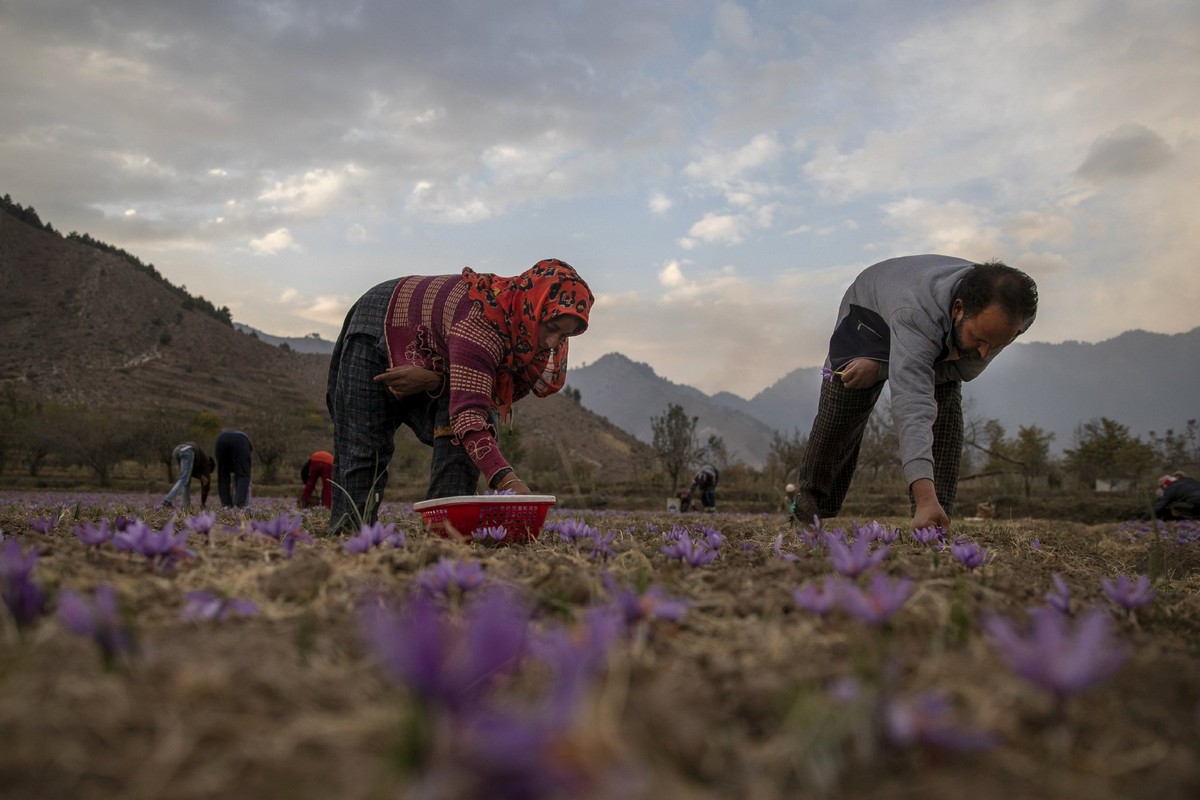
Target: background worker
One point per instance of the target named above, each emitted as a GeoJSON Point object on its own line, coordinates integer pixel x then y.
{"type": "Point", "coordinates": [319, 465]}
{"type": "Point", "coordinates": [1178, 497]}
{"type": "Point", "coordinates": [704, 487]}
{"type": "Point", "coordinates": [233, 451]}
{"type": "Point", "coordinates": [192, 463]}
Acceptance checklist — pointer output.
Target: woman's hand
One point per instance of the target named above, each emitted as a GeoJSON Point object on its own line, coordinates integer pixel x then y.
{"type": "Point", "coordinates": [405, 379]}
{"type": "Point", "coordinates": [511, 483]}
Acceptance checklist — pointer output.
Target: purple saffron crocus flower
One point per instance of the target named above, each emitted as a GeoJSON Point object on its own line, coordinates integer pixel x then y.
{"type": "Point", "coordinates": [450, 664]}
{"type": "Point", "coordinates": [96, 618]}
{"type": "Point", "coordinates": [601, 546]}
{"type": "Point", "coordinates": [652, 604]}
{"type": "Point", "coordinates": [94, 535]}
{"type": "Point", "coordinates": [449, 577]}
{"type": "Point", "coordinates": [712, 537]}
{"type": "Point", "coordinates": [162, 548]}
{"type": "Point", "coordinates": [289, 540]}
{"type": "Point", "coordinates": [278, 527]}
{"type": "Point", "coordinates": [924, 721]}
{"type": "Point", "coordinates": [374, 535]}
{"type": "Point", "coordinates": [777, 549]}
{"type": "Point", "coordinates": [201, 606]}
{"type": "Point", "coordinates": [490, 533]}
{"type": "Point", "coordinates": [572, 529]}
{"type": "Point", "coordinates": [1035, 543]}
{"type": "Point", "coordinates": [820, 600]}
{"type": "Point", "coordinates": [573, 656]}
{"type": "Point", "coordinates": [853, 560]}
{"type": "Point", "coordinates": [1126, 593]}
{"type": "Point", "coordinates": [813, 537]}
{"type": "Point", "coordinates": [875, 531]}
{"type": "Point", "coordinates": [675, 533]}
{"type": "Point", "coordinates": [930, 535]}
{"type": "Point", "coordinates": [1060, 598]}
{"type": "Point", "coordinates": [883, 597]}
{"type": "Point", "coordinates": [202, 523]}
{"type": "Point", "coordinates": [1059, 655]}
{"type": "Point", "coordinates": [969, 554]}
{"type": "Point", "coordinates": [357, 544]}
{"type": "Point", "coordinates": [22, 597]}
{"type": "Point", "coordinates": [285, 529]}
{"type": "Point", "coordinates": [692, 553]}
{"type": "Point", "coordinates": [44, 525]}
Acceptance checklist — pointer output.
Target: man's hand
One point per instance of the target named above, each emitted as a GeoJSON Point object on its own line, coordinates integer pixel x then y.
{"type": "Point", "coordinates": [930, 513]}
{"type": "Point", "coordinates": [861, 373]}
{"type": "Point", "coordinates": [405, 380]}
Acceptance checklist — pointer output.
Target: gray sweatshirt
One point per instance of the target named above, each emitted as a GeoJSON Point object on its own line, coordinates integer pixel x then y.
{"type": "Point", "coordinates": [899, 312]}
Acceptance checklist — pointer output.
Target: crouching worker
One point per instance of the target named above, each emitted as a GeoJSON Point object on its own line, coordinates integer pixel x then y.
{"type": "Point", "coordinates": [445, 355]}
{"type": "Point", "coordinates": [319, 465]}
{"type": "Point", "coordinates": [192, 463]}
{"type": "Point", "coordinates": [704, 486]}
{"type": "Point", "coordinates": [1178, 497]}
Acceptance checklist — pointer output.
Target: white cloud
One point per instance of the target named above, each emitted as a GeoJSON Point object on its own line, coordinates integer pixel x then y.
{"type": "Point", "coordinates": [725, 168]}
{"type": "Point", "coordinates": [1047, 227]}
{"type": "Point", "coordinates": [328, 310]}
{"type": "Point", "coordinates": [671, 275]}
{"type": "Point", "coordinates": [275, 242]}
{"type": "Point", "coordinates": [720, 228]}
{"type": "Point", "coordinates": [659, 203]}
{"type": "Point", "coordinates": [953, 228]}
{"type": "Point", "coordinates": [426, 199]}
{"type": "Point", "coordinates": [357, 233]}
{"type": "Point", "coordinates": [882, 164]}
{"type": "Point", "coordinates": [315, 192]}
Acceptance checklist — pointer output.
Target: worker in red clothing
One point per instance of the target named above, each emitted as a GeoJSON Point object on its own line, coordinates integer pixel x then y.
{"type": "Point", "coordinates": [319, 465]}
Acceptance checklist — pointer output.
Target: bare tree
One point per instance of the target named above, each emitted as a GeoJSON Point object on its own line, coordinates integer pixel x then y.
{"type": "Point", "coordinates": [273, 435]}
{"type": "Point", "coordinates": [98, 441]}
{"type": "Point", "coordinates": [163, 428]}
{"type": "Point", "coordinates": [787, 452]}
{"type": "Point", "coordinates": [675, 441]}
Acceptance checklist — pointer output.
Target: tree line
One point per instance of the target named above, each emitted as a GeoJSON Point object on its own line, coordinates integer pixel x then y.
{"type": "Point", "coordinates": [1103, 451]}
{"type": "Point", "coordinates": [37, 435]}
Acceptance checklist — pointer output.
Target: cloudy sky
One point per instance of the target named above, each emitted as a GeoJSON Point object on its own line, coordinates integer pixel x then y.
{"type": "Point", "coordinates": [717, 171]}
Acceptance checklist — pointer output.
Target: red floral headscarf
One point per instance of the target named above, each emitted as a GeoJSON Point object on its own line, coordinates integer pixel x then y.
{"type": "Point", "coordinates": [517, 307]}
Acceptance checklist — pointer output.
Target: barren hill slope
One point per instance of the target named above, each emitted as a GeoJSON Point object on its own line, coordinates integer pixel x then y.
{"type": "Point", "coordinates": [82, 326]}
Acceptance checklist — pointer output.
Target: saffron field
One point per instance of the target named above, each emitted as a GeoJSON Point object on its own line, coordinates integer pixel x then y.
{"type": "Point", "coordinates": [146, 653]}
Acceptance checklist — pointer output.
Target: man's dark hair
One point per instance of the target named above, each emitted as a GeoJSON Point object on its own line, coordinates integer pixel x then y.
{"type": "Point", "coordinates": [997, 283]}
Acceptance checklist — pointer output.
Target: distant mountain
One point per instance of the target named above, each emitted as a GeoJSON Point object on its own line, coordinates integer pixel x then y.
{"type": "Point", "coordinates": [313, 343]}
{"type": "Point", "coordinates": [786, 405]}
{"type": "Point", "coordinates": [629, 393]}
{"type": "Point", "coordinates": [1145, 381]}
